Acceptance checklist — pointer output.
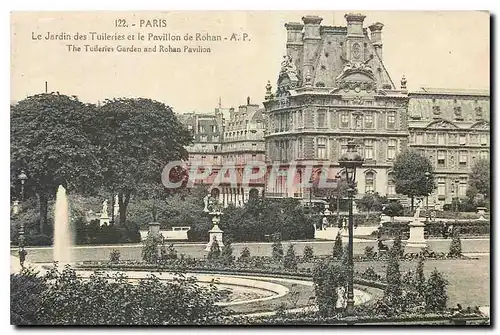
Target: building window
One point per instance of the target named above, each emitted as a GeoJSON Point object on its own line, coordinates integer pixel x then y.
{"type": "Point", "coordinates": [441, 139]}
{"type": "Point", "coordinates": [321, 118]}
{"type": "Point", "coordinates": [391, 149]}
{"type": "Point", "coordinates": [368, 149]}
{"type": "Point", "coordinates": [344, 120]}
{"type": "Point", "coordinates": [391, 185]}
{"type": "Point", "coordinates": [299, 119]}
{"type": "Point", "coordinates": [419, 138]}
{"type": "Point", "coordinates": [369, 120]}
{"type": "Point", "coordinates": [484, 139]}
{"type": "Point", "coordinates": [441, 158]}
{"type": "Point", "coordinates": [369, 182]}
{"type": "Point", "coordinates": [299, 149]}
{"type": "Point", "coordinates": [474, 138]}
{"type": "Point", "coordinates": [462, 187]}
{"type": "Point", "coordinates": [462, 161]}
{"type": "Point", "coordinates": [441, 182]}
{"type": "Point", "coordinates": [391, 120]}
{"type": "Point", "coordinates": [321, 148]}
{"type": "Point", "coordinates": [484, 154]}
{"type": "Point", "coordinates": [462, 139]}
{"type": "Point", "coordinates": [343, 146]}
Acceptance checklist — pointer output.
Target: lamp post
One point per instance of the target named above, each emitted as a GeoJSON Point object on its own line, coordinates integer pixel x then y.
{"type": "Point", "coordinates": [350, 161]}
{"type": "Point", "coordinates": [22, 177]}
{"type": "Point", "coordinates": [427, 178]}
{"type": "Point", "coordinates": [337, 177]}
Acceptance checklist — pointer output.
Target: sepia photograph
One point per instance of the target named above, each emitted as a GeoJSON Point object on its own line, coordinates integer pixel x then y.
{"type": "Point", "coordinates": [250, 168]}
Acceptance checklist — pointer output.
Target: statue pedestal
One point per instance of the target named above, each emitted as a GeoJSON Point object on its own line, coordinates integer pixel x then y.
{"type": "Point", "coordinates": [104, 220]}
{"type": "Point", "coordinates": [214, 233]}
{"type": "Point", "coordinates": [154, 228]}
{"type": "Point", "coordinates": [416, 241]}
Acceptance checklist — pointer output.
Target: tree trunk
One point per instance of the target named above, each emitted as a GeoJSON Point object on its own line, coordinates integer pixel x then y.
{"type": "Point", "coordinates": [123, 200]}
{"type": "Point", "coordinates": [43, 201]}
{"type": "Point", "coordinates": [412, 203]}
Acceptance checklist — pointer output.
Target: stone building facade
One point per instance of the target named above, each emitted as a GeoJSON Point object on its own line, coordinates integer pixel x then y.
{"type": "Point", "coordinates": [451, 128]}
{"type": "Point", "coordinates": [231, 141]}
{"type": "Point", "coordinates": [332, 87]}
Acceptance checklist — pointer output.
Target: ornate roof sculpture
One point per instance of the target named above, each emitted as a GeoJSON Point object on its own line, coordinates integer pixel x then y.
{"type": "Point", "coordinates": [288, 78]}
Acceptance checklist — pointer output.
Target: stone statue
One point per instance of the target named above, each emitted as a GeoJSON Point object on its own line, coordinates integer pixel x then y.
{"type": "Point", "coordinates": [418, 209]}
{"type": "Point", "coordinates": [105, 207]}
{"type": "Point", "coordinates": [205, 201]}
{"type": "Point", "coordinates": [287, 65]}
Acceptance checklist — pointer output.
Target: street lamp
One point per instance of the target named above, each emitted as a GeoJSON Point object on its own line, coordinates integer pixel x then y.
{"type": "Point", "coordinates": [427, 179]}
{"type": "Point", "coordinates": [337, 178]}
{"type": "Point", "coordinates": [22, 177]}
{"type": "Point", "coordinates": [349, 162]}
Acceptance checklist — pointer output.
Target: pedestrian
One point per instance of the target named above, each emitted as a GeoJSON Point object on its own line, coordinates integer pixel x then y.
{"type": "Point", "coordinates": [22, 257]}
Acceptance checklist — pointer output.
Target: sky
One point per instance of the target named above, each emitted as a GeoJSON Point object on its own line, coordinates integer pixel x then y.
{"type": "Point", "coordinates": [433, 49]}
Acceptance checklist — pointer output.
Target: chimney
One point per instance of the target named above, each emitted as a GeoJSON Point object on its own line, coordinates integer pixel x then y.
{"type": "Point", "coordinates": [294, 33]}
{"type": "Point", "coordinates": [312, 38]}
{"type": "Point", "coordinates": [354, 24]}
{"type": "Point", "coordinates": [376, 37]}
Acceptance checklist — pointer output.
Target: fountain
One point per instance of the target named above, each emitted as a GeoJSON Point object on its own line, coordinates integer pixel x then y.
{"type": "Point", "coordinates": [62, 231]}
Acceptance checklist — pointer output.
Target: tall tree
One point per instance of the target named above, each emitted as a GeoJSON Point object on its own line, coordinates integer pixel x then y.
{"type": "Point", "coordinates": [409, 175]}
{"type": "Point", "coordinates": [140, 137]}
{"type": "Point", "coordinates": [52, 139]}
{"type": "Point", "coordinates": [479, 179]}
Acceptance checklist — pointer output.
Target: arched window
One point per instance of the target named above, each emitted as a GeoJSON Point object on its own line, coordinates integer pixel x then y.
{"type": "Point", "coordinates": [391, 184]}
{"type": "Point", "coordinates": [369, 182]}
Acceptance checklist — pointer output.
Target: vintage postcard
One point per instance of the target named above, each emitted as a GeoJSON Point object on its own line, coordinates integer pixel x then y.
{"type": "Point", "coordinates": [250, 168]}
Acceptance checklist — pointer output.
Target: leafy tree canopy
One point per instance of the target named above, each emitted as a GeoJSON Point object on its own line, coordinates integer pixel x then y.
{"type": "Point", "coordinates": [140, 137]}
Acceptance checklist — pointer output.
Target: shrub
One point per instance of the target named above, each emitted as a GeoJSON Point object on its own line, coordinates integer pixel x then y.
{"type": "Point", "coordinates": [420, 277]}
{"type": "Point", "coordinates": [25, 294]}
{"type": "Point", "coordinates": [214, 252]}
{"type": "Point", "coordinates": [455, 246]}
{"type": "Point", "coordinates": [393, 291]}
{"type": "Point", "coordinates": [308, 253]}
{"type": "Point", "coordinates": [370, 274]}
{"type": "Point", "coordinates": [245, 255]}
{"type": "Point", "coordinates": [328, 278]}
{"type": "Point", "coordinates": [66, 299]}
{"type": "Point", "coordinates": [436, 295]}
{"type": "Point", "coordinates": [277, 251]}
{"type": "Point", "coordinates": [168, 253]}
{"type": "Point", "coordinates": [338, 250]}
{"type": "Point", "coordinates": [227, 253]}
{"type": "Point", "coordinates": [397, 246]}
{"type": "Point", "coordinates": [150, 248]}
{"type": "Point", "coordinates": [369, 253]}
{"type": "Point", "coordinates": [290, 260]}
{"type": "Point", "coordinates": [114, 256]}
{"type": "Point", "coordinates": [37, 240]}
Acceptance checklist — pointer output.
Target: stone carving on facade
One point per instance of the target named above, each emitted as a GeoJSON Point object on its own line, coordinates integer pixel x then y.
{"type": "Point", "coordinates": [457, 110]}
{"type": "Point", "coordinates": [269, 93]}
{"type": "Point", "coordinates": [453, 138]}
{"type": "Point", "coordinates": [442, 125]}
{"type": "Point", "coordinates": [382, 146]}
{"type": "Point", "coordinates": [355, 86]}
{"type": "Point", "coordinates": [357, 100]}
{"type": "Point", "coordinates": [453, 162]}
{"type": "Point", "coordinates": [479, 113]}
{"type": "Point", "coordinates": [287, 65]}
{"type": "Point", "coordinates": [403, 83]}
{"type": "Point", "coordinates": [436, 110]}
